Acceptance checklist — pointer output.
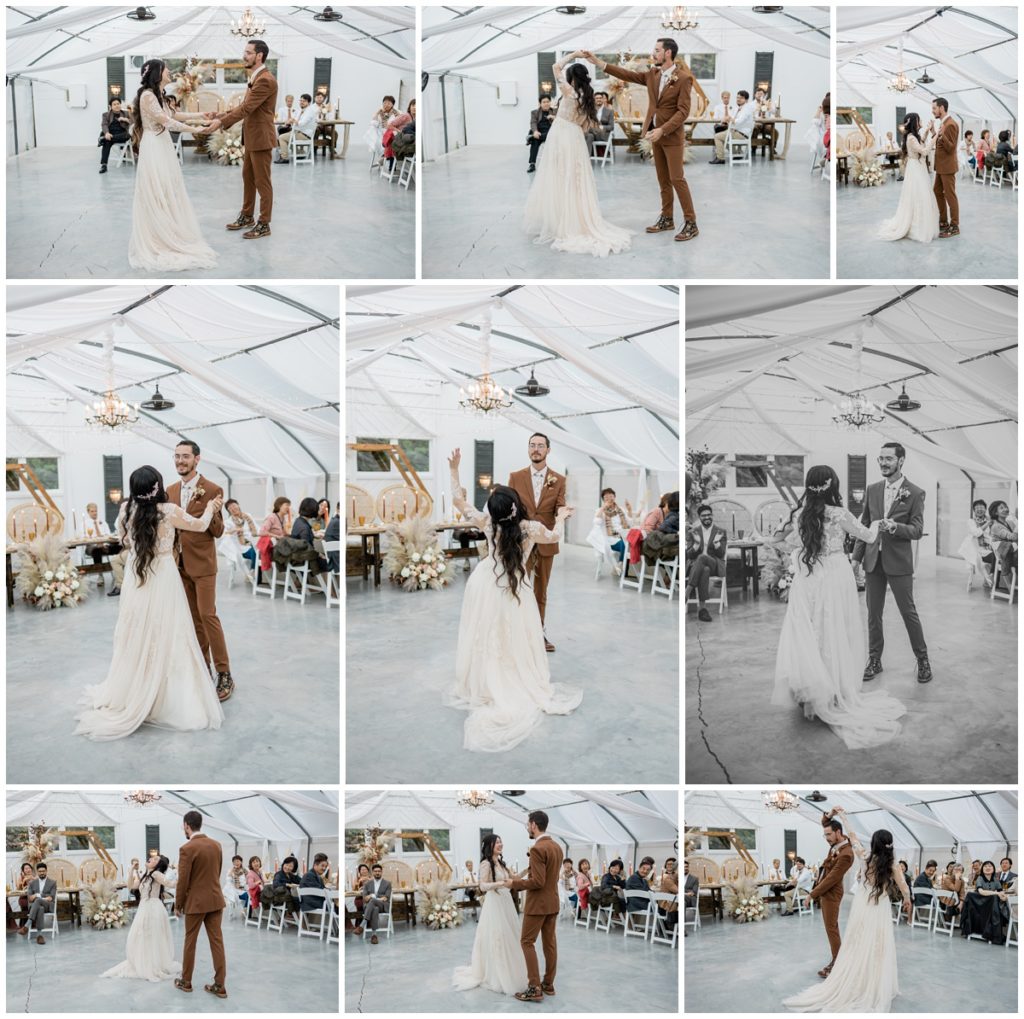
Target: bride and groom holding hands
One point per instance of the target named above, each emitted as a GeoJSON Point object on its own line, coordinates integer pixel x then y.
{"type": "Point", "coordinates": [504, 956]}
{"type": "Point", "coordinates": [165, 233]}
{"type": "Point", "coordinates": [562, 208]}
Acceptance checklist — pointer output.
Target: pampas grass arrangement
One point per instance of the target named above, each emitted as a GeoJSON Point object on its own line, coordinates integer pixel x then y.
{"type": "Point", "coordinates": [101, 904]}
{"type": "Point", "coordinates": [743, 900]}
{"type": "Point", "coordinates": [414, 558]}
{"type": "Point", "coordinates": [226, 146]}
{"type": "Point", "coordinates": [435, 906]}
{"type": "Point", "coordinates": [46, 577]}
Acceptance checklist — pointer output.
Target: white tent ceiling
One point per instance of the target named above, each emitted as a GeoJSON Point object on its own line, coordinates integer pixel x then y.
{"type": "Point", "coordinates": [983, 823]}
{"type": "Point", "coordinates": [464, 37]}
{"type": "Point", "coordinates": [781, 362]}
{"type": "Point", "coordinates": [253, 371]}
{"type": "Point", "coordinates": [971, 52]}
{"type": "Point", "coordinates": [41, 39]}
{"type": "Point", "coordinates": [588, 817]}
{"type": "Point", "coordinates": [609, 354]}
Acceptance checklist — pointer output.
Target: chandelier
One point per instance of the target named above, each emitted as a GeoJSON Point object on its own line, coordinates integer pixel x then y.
{"type": "Point", "coordinates": [483, 394]}
{"type": "Point", "coordinates": [856, 411]}
{"type": "Point", "coordinates": [900, 83]}
{"type": "Point", "coordinates": [248, 27]}
{"type": "Point", "coordinates": [678, 19]}
{"type": "Point", "coordinates": [474, 798]}
{"type": "Point", "coordinates": [111, 413]}
{"type": "Point", "coordinates": [780, 800]}
{"type": "Point", "coordinates": [142, 797]}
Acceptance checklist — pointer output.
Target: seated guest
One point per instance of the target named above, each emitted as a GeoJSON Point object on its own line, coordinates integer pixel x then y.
{"type": "Point", "coordinates": [986, 909]}
{"type": "Point", "coordinates": [286, 115]}
{"type": "Point", "coordinates": [926, 879]}
{"type": "Point", "coordinates": [611, 524]}
{"type": "Point", "coordinates": [469, 878]}
{"type": "Point", "coordinates": [1003, 536]}
{"type": "Point", "coordinates": [541, 120]}
{"type": "Point", "coordinates": [278, 523]}
{"type": "Point", "coordinates": [302, 529]}
{"type": "Point", "coordinates": [639, 881]}
{"type": "Point", "coordinates": [764, 106]}
{"type": "Point", "coordinates": [800, 880]}
{"type": "Point", "coordinates": [656, 517]}
{"type": "Point", "coordinates": [1006, 873]}
{"type": "Point", "coordinates": [976, 548]}
{"type": "Point", "coordinates": [723, 111]}
{"type": "Point", "coordinates": [393, 129]}
{"type": "Point", "coordinates": [953, 881]}
{"type": "Point", "coordinates": [254, 881]}
{"type": "Point", "coordinates": [605, 126]}
{"type": "Point", "coordinates": [568, 880]}
{"type": "Point", "coordinates": [612, 880]}
{"type": "Point", "coordinates": [583, 883]}
{"type": "Point", "coordinates": [96, 527]}
{"type": "Point", "coordinates": [705, 557]}
{"type": "Point", "coordinates": [25, 876]}
{"type": "Point", "coordinates": [376, 900]}
{"type": "Point", "coordinates": [691, 892]}
{"type": "Point", "coordinates": [240, 529]}
{"type": "Point", "coordinates": [974, 875]}
{"type": "Point", "coordinates": [378, 124]}
{"type": "Point", "coordinates": [670, 885]}
{"type": "Point", "coordinates": [115, 127]}
{"type": "Point", "coordinates": [1008, 150]}
{"type": "Point", "coordinates": [333, 533]}
{"type": "Point", "coordinates": [894, 893]}
{"type": "Point", "coordinates": [314, 878]}
{"type": "Point", "coordinates": [171, 102]}
{"type": "Point", "coordinates": [968, 149]}
{"type": "Point", "coordinates": [323, 514]}
{"type": "Point", "coordinates": [740, 125]}
{"type": "Point", "coordinates": [303, 126]}
{"type": "Point", "coordinates": [235, 882]}
{"type": "Point", "coordinates": [134, 880]}
{"type": "Point", "coordinates": [286, 876]}
{"type": "Point", "coordinates": [985, 147]}
{"type": "Point", "coordinates": [42, 899]}
{"type": "Point", "coordinates": [777, 875]}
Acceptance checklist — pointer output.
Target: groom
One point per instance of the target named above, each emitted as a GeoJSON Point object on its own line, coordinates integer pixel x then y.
{"type": "Point", "coordinates": [540, 911]}
{"type": "Point", "coordinates": [259, 137]}
{"type": "Point", "coordinates": [199, 898]}
{"type": "Point", "coordinates": [946, 137]}
{"type": "Point", "coordinates": [828, 891]}
{"type": "Point", "coordinates": [197, 561]}
{"type": "Point", "coordinates": [668, 106]}
{"type": "Point", "coordinates": [899, 506]}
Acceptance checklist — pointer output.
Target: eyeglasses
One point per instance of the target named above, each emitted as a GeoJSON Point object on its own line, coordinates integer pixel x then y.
{"type": "Point", "coordinates": [887, 459]}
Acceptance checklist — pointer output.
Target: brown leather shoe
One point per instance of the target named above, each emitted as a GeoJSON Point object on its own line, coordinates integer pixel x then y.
{"type": "Point", "coordinates": [261, 229]}
{"type": "Point", "coordinates": [23, 931]}
{"type": "Point", "coordinates": [951, 231]}
{"type": "Point", "coordinates": [373, 940]}
{"type": "Point", "coordinates": [225, 686]}
{"type": "Point", "coordinates": [688, 232]}
{"type": "Point", "coordinates": [357, 931]}
{"type": "Point", "coordinates": [548, 646]}
{"type": "Point", "coordinates": [530, 994]}
{"type": "Point", "coordinates": [217, 989]}
{"type": "Point", "coordinates": [183, 985]}
{"type": "Point", "coordinates": [548, 989]}
{"type": "Point", "coordinates": [241, 223]}
{"type": "Point", "coordinates": [40, 940]}
{"type": "Point", "coordinates": [824, 971]}
{"type": "Point", "coordinates": [664, 223]}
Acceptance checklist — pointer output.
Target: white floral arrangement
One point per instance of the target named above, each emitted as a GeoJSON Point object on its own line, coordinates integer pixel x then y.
{"type": "Point", "coordinates": [436, 907]}
{"type": "Point", "coordinates": [414, 559]}
{"type": "Point", "coordinates": [46, 577]}
{"type": "Point", "coordinates": [869, 174]}
{"type": "Point", "coordinates": [226, 146]}
{"type": "Point", "coordinates": [102, 908]}
{"type": "Point", "coordinates": [743, 901]}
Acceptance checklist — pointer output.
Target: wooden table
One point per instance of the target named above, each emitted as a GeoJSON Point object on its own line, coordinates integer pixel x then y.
{"type": "Point", "coordinates": [74, 898]}
{"type": "Point", "coordinates": [843, 168]}
{"type": "Point", "coordinates": [717, 902]}
{"type": "Point", "coordinates": [326, 136]}
{"type": "Point", "coordinates": [85, 568]}
{"type": "Point", "coordinates": [631, 127]}
{"type": "Point", "coordinates": [748, 551]}
{"type": "Point", "coordinates": [370, 537]}
{"type": "Point", "coordinates": [408, 894]}
{"type": "Point", "coordinates": [786, 135]}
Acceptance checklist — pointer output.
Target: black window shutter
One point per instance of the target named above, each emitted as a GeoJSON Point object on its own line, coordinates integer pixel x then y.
{"type": "Point", "coordinates": [856, 477]}
{"type": "Point", "coordinates": [901, 115]}
{"type": "Point", "coordinates": [483, 463]}
{"type": "Point", "coordinates": [322, 75]}
{"type": "Point", "coordinates": [764, 64]}
{"type": "Point", "coordinates": [152, 838]}
{"type": "Point", "coordinates": [113, 477]}
{"type": "Point", "coordinates": [544, 64]}
{"type": "Point", "coordinates": [115, 76]}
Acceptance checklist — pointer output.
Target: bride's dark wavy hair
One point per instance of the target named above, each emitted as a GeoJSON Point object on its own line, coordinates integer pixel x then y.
{"type": "Point", "coordinates": [878, 868]}
{"type": "Point", "coordinates": [152, 72]}
{"type": "Point", "coordinates": [912, 123]}
{"type": "Point", "coordinates": [812, 520]}
{"type": "Point", "coordinates": [162, 864]}
{"type": "Point", "coordinates": [579, 78]}
{"type": "Point", "coordinates": [508, 512]}
{"type": "Point", "coordinates": [142, 516]}
{"type": "Point", "coordinates": [487, 851]}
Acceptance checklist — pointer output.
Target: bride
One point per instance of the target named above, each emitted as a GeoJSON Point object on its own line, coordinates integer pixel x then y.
{"type": "Point", "coordinates": [149, 949]}
{"type": "Point", "coordinates": [917, 215]}
{"type": "Point", "coordinates": [165, 232]}
{"type": "Point", "coordinates": [497, 962]}
{"type": "Point", "coordinates": [501, 668]}
{"type": "Point", "coordinates": [821, 647]}
{"type": "Point", "coordinates": [562, 208]}
{"type": "Point", "coordinates": [157, 673]}
{"type": "Point", "coordinates": [864, 977]}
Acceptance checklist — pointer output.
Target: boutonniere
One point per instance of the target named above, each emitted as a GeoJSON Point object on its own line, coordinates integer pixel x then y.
{"type": "Point", "coordinates": [199, 492]}
{"type": "Point", "coordinates": [673, 78]}
{"type": "Point", "coordinates": [902, 494]}
{"type": "Point", "coordinates": [551, 481]}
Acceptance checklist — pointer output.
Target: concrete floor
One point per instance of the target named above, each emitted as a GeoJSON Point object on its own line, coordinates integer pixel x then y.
{"type": "Point", "coordinates": [985, 249]}
{"type": "Point", "coordinates": [62, 975]}
{"type": "Point", "coordinates": [972, 644]}
{"type": "Point", "coordinates": [280, 725]}
{"type": "Point", "coordinates": [331, 220]}
{"type": "Point", "coordinates": [412, 972]}
{"type": "Point", "coordinates": [765, 221]}
{"type": "Point", "coordinates": [752, 967]}
{"type": "Point", "coordinates": [620, 646]}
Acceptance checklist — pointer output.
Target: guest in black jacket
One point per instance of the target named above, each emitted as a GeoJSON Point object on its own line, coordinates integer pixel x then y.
{"type": "Point", "coordinates": [614, 879]}
{"type": "Point", "coordinates": [288, 875]}
{"type": "Point", "coordinates": [541, 120]}
{"type": "Point", "coordinates": [302, 529]}
{"type": "Point", "coordinates": [314, 879]}
{"type": "Point", "coordinates": [639, 882]}
{"type": "Point", "coordinates": [333, 533]}
{"type": "Point", "coordinates": [670, 525]}
{"type": "Point", "coordinates": [114, 128]}
{"type": "Point", "coordinates": [926, 879]}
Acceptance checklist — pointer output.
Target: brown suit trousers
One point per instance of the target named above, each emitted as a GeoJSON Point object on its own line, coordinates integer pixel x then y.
{"type": "Point", "coordinates": [256, 178]}
{"type": "Point", "coordinates": [202, 601]}
{"type": "Point", "coordinates": [541, 566]}
{"type": "Point", "coordinates": [544, 925]}
{"type": "Point", "coordinates": [193, 921]}
{"type": "Point", "coordinates": [668, 164]}
{"type": "Point", "coordinates": [945, 195]}
{"type": "Point", "coordinates": [830, 916]}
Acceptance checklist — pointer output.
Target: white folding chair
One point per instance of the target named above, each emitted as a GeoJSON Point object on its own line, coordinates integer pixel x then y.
{"type": "Point", "coordinates": [272, 911]}
{"type": "Point", "coordinates": [276, 580]}
{"type": "Point", "coordinates": [734, 145]}
{"type": "Point", "coordinates": [636, 582]}
{"type": "Point", "coordinates": [388, 928]}
{"type": "Point", "coordinates": [631, 919]}
{"type": "Point", "coordinates": [407, 173]}
{"type": "Point", "coordinates": [941, 925]}
{"type": "Point", "coordinates": [606, 912]}
{"type": "Point", "coordinates": [582, 917]}
{"type": "Point", "coordinates": [322, 913]}
{"type": "Point", "coordinates": [804, 903]}
{"type": "Point", "coordinates": [662, 933]}
{"type": "Point", "coordinates": [995, 593]}
{"type": "Point", "coordinates": [606, 156]}
{"type": "Point", "coordinates": [253, 917]}
{"type": "Point", "coordinates": [995, 177]}
{"type": "Point", "coordinates": [388, 168]}
{"type": "Point", "coordinates": [300, 150]}
{"type": "Point", "coordinates": [178, 151]}
{"type": "Point", "coordinates": [125, 153]}
{"type": "Point", "coordinates": [671, 566]}
{"type": "Point", "coordinates": [980, 174]}
{"type": "Point", "coordinates": [1012, 928]}
{"type": "Point", "coordinates": [333, 924]}
{"type": "Point", "coordinates": [300, 582]}
{"type": "Point", "coordinates": [722, 601]}
{"type": "Point", "coordinates": [695, 922]}
{"type": "Point", "coordinates": [330, 581]}
{"type": "Point", "coordinates": [53, 930]}
{"type": "Point", "coordinates": [924, 915]}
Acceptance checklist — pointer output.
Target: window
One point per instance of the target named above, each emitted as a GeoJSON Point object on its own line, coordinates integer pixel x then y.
{"type": "Point", "coordinates": [847, 119]}
{"type": "Point", "coordinates": [441, 837]}
{"type": "Point", "coordinates": [751, 477]}
{"type": "Point", "coordinates": [104, 833]}
{"type": "Point", "coordinates": [372, 463]}
{"type": "Point", "coordinates": [417, 450]}
{"type": "Point", "coordinates": [747, 837]}
{"type": "Point", "coordinates": [16, 835]}
{"type": "Point", "coordinates": [789, 469]}
{"type": "Point", "coordinates": [702, 65]}
{"type": "Point", "coordinates": [45, 467]}
{"type": "Point", "coordinates": [354, 840]}
{"type": "Point", "coordinates": [239, 75]}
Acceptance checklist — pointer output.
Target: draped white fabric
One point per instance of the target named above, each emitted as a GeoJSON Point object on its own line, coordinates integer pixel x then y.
{"type": "Point", "coordinates": [485, 16]}
{"type": "Point", "coordinates": [44, 444]}
{"type": "Point", "coordinates": [70, 17]}
{"type": "Point", "coordinates": [384, 331]}
{"type": "Point", "coordinates": [403, 412]}
{"type": "Point", "coordinates": [707, 306]}
{"type": "Point", "coordinates": [816, 45]}
{"type": "Point", "coordinates": [404, 16]}
{"type": "Point", "coordinates": [21, 348]}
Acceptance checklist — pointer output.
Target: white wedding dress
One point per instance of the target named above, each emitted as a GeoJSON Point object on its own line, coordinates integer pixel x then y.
{"type": "Point", "coordinates": [917, 214]}
{"type": "Point", "coordinates": [157, 673]}
{"type": "Point", "coordinates": [864, 977]}
{"type": "Point", "coordinates": [149, 951]}
{"type": "Point", "coordinates": [497, 962]}
{"type": "Point", "coordinates": [165, 232]}
{"type": "Point", "coordinates": [822, 648]}
{"type": "Point", "coordinates": [502, 675]}
{"type": "Point", "coordinates": [562, 208]}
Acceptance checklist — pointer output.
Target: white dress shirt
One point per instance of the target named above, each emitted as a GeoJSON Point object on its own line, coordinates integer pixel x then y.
{"type": "Point", "coordinates": [99, 527]}
{"type": "Point", "coordinates": [187, 490]}
{"type": "Point", "coordinates": [744, 118]}
{"type": "Point", "coordinates": [538, 483]}
{"type": "Point", "coordinates": [891, 488]}
{"type": "Point", "coordinates": [666, 73]}
{"type": "Point", "coordinates": [306, 124]}
{"type": "Point", "coordinates": [721, 112]}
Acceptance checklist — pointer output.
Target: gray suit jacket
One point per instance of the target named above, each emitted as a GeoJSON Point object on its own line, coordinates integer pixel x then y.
{"type": "Point", "coordinates": [384, 893]}
{"type": "Point", "coordinates": [895, 549]}
{"type": "Point", "coordinates": [49, 888]}
{"type": "Point", "coordinates": [605, 120]}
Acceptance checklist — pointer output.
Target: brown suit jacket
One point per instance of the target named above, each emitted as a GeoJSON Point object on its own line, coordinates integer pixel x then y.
{"type": "Point", "coordinates": [257, 112]}
{"type": "Point", "coordinates": [945, 146]}
{"type": "Point", "coordinates": [541, 884]}
{"type": "Point", "coordinates": [552, 496]}
{"type": "Point", "coordinates": [667, 111]}
{"type": "Point", "coordinates": [199, 865]}
{"type": "Point", "coordinates": [198, 548]}
{"type": "Point", "coordinates": [829, 886]}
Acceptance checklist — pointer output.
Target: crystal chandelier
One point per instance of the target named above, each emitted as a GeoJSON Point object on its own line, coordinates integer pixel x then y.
{"type": "Point", "coordinates": [474, 798]}
{"type": "Point", "coordinates": [142, 797]}
{"type": "Point", "coordinates": [248, 27]}
{"type": "Point", "coordinates": [111, 413]}
{"type": "Point", "coordinates": [780, 800]}
{"type": "Point", "coordinates": [900, 84]}
{"type": "Point", "coordinates": [678, 19]}
{"type": "Point", "coordinates": [483, 394]}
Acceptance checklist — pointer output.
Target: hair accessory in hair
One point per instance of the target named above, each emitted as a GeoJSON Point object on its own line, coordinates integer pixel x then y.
{"type": "Point", "coordinates": [888, 845]}
{"type": "Point", "coordinates": [145, 70]}
{"type": "Point", "coordinates": [151, 494]}
{"type": "Point", "coordinates": [821, 488]}
{"type": "Point", "coordinates": [511, 515]}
